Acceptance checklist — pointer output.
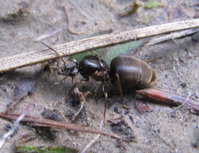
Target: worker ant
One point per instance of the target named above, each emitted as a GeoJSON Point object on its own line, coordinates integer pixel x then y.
{"type": "Point", "coordinates": [127, 72]}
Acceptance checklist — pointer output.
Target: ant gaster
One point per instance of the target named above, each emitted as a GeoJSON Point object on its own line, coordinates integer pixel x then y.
{"type": "Point", "coordinates": [131, 73]}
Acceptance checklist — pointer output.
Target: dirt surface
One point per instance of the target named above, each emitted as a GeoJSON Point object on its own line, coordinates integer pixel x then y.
{"type": "Point", "coordinates": [163, 129]}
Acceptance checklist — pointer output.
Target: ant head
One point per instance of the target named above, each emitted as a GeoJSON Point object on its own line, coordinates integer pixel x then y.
{"type": "Point", "coordinates": [69, 69]}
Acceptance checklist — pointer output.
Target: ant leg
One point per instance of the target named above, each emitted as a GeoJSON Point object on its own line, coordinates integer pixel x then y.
{"type": "Point", "coordinates": [82, 98]}
{"type": "Point", "coordinates": [105, 103]}
{"type": "Point", "coordinates": [73, 79]}
{"type": "Point", "coordinates": [153, 79]}
{"type": "Point", "coordinates": [120, 87]}
{"type": "Point", "coordinates": [76, 93]}
{"type": "Point", "coordinates": [87, 94]}
{"type": "Point", "coordinates": [82, 102]}
{"type": "Point", "coordinates": [64, 78]}
{"type": "Point", "coordinates": [84, 79]}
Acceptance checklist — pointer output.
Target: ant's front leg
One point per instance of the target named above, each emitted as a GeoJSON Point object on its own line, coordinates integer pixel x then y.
{"type": "Point", "coordinates": [105, 102]}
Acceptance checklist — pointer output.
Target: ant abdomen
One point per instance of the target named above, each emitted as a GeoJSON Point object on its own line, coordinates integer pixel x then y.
{"type": "Point", "coordinates": [131, 73]}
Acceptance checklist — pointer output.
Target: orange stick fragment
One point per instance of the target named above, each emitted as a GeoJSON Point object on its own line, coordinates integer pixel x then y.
{"type": "Point", "coordinates": [169, 98]}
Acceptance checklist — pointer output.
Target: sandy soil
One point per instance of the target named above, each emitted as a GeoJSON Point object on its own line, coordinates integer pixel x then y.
{"type": "Point", "coordinates": [161, 130]}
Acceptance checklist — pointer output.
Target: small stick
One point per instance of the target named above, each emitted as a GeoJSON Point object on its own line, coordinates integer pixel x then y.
{"type": "Point", "coordinates": [70, 30]}
{"type": "Point", "coordinates": [95, 139]}
{"type": "Point", "coordinates": [18, 119]}
{"type": "Point", "coordinates": [179, 34]}
{"type": "Point", "coordinates": [35, 121]}
{"type": "Point", "coordinates": [47, 35]}
{"type": "Point", "coordinates": [74, 47]}
{"type": "Point", "coordinates": [161, 39]}
{"type": "Point", "coordinates": [153, 59]}
{"type": "Point", "coordinates": [169, 99]}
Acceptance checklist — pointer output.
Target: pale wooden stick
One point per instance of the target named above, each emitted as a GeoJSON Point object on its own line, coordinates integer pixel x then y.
{"type": "Point", "coordinates": [171, 36]}
{"type": "Point", "coordinates": [73, 47]}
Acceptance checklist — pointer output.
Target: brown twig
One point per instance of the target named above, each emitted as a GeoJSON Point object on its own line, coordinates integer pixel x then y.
{"type": "Point", "coordinates": [35, 121]}
{"type": "Point", "coordinates": [74, 47]}
{"type": "Point", "coordinates": [169, 98]}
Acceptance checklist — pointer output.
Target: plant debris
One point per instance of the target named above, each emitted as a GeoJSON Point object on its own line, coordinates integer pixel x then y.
{"type": "Point", "coordinates": [24, 87]}
{"type": "Point", "coordinates": [16, 17]}
{"type": "Point", "coordinates": [132, 8]}
{"type": "Point", "coordinates": [195, 140]}
{"type": "Point", "coordinates": [152, 4]}
{"type": "Point", "coordinates": [42, 149]}
{"type": "Point", "coordinates": [195, 37]}
{"type": "Point", "coordinates": [51, 114]}
{"type": "Point", "coordinates": [35, 121]}
{"type": "Point", "coordinates": [46, 133]}
{"type": "Point", "coordinates": [9, 126]}
{"type": "Point", "coordinates": [142, 107]}
{"type": "Point", "coordinates": [121, 127]}
{"type": "Point", "coordinates": [169, 99]}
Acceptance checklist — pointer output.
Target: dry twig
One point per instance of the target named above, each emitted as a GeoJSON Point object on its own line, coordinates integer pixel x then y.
{"type": "Point", "coordinates": [171, 36]}
{"type": "Point", "coordinates": [93, 140]}
{"type": "Point", "coordinates": [74, 47]}
{"type": "Point", "coordinates": [169, 98]}
{"type": "Point", "coordinates": [35, 121]}
{"type": "Point", "coordinates": [47, 35]}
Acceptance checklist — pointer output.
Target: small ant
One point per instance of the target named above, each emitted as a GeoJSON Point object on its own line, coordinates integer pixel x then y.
{"type": "Point", "coordinates": [127, 72]}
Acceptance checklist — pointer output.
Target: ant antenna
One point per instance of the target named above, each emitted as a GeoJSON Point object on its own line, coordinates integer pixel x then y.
{"type": "Point", "coordinates": [53, 51]}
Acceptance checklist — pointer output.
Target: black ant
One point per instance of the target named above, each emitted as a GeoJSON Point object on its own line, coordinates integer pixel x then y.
{"type": "Point", "coordinates": [127, 72]}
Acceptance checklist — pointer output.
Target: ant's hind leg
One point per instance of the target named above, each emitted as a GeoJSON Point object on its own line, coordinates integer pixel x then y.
{"type": "Point", "coordinates": [153, 79]}
{"type": "Point", "coordinates": [119, 86]}
{"type": "Point", "coordinates": [105, 102]}
{"type": "Point", "coordinates": [73, 80]}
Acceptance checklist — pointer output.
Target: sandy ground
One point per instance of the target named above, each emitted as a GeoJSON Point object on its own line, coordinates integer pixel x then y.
{"type": "Point", "coordinates": [161, 130]}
